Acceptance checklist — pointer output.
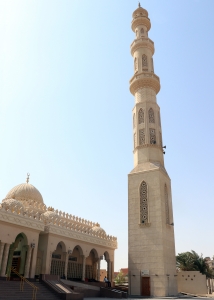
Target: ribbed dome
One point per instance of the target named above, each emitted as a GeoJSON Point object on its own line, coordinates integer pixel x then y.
{"type": "Point", "coordinates": [9, 203]}
{"type": "Point", "coordinates": [97, 228]}
{"type": "Point", "coordinates": [25, 192]}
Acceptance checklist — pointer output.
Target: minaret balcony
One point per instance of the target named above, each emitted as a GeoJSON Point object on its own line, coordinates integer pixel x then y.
{"type": "Point", "coordinates": [144, 79]}
{"type": "Point", "coordinates": [142, 43]}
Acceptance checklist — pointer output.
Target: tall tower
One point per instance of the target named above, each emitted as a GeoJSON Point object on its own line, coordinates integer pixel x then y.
{"type": "Point", "coordinates": [152, 265]}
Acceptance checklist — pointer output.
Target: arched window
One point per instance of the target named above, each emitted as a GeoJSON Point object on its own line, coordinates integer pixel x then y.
{"type": "Point", "coordinates": [166, 204]}
{"type": "Point", "coordinates": [133, 120]}
{"type": "Point", "coordinates": [141, 137]}
{"type": "Point", "coordinates": [144, 61]}
{"type": "Point", "coordinates": [140, 116]}
{"type": "Point", "coordinates": [152, 65]}
{"type": "Point", "coordinates": [135, 64]}
{"type": "Point", "coordinates": [141, 31]}
{"type": "Point", "coordinates": [136, 33]}
{"type": "Point", "coordinates": [160, 136]}
{"type": "Point", "coordinates": [135, 141]}
{"type": "Point", "coordinates": [152, 136]}
{"type": "Point", "coordinates": [151, 116]}
{"type": "Point", "coordinates": [143, 203]}
{"type": "Point", "coordinates": [159, 120]}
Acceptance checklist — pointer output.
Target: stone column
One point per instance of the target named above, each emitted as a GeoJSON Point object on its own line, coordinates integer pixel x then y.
{"type": "Point", "coordinates": [66, 265]}
{"type": "Point", "coordinates": [27, 264]}
{"type": "Point", "coordinates": [4, 260]}
{"type": "Point", "coordinates": [83, 267]}
{"type": "Point", "coordinates": [1, 252]}
{"type": "Point", "coordinates": [98, 269]}
{"type": "Point", "coordinates": [51, 252]}
{"type": "Point", "coordinates": [109, 271]}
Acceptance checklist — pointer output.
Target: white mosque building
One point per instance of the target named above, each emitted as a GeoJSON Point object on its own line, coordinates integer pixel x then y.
{"type": "Point", "coordinates": [36, 239]}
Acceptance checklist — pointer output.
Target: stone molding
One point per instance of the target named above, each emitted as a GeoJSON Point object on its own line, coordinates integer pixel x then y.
{"type": "Point", "coordinates": [144, 79]}
{"type": "Point", "coordinates": [141, 20]}
{"type": "Point", "coordinates": [148, 145]}
{"type": "Point", "coordinates": [35, 216]}
{"type": "Point", "coordinates": [145, 225]}
{"type": "Point", "coordinates": [141, 43]}
{"type": "Point", "coordinates": [21, 220]}
{"type": "Point", "coordinates": [107, 241]}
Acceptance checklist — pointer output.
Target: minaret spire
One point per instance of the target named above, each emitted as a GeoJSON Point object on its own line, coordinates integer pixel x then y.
{"type": "Point", "coordinates": [150, 225]}
{"type": "Point", "coordinates": [139, 4]}
{"type": "Point", "coordinates": [28, 177]}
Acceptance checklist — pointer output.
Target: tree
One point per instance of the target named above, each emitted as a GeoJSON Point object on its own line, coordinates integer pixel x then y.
{"type": "Point", "coordinates": [191, 261]}
{"type": "Point", "coordinates": [120, 278]}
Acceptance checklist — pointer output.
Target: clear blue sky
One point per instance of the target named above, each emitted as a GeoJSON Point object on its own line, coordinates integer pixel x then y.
{"type": "Point", "coordinates": [65, 108]}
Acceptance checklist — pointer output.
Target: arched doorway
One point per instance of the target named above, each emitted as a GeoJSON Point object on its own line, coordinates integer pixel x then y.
{"type": "Point", "coordinates": [91, 265]}
{"type": "Point", "coordinates": [75, 264]}
{"type": "Point", "coordinates": [18, 255]}
{"type": "Point", "coordinates": [58, 260]}
{"type": "Point", "coordinates": [104, 266]}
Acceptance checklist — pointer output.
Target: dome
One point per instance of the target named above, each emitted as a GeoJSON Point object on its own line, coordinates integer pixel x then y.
{"type": "Point", "coordinates": [25, 192]}
{"type": "Point", "coordinates": [49, 214]}
{"type": "Point", "coordinates": [9, 203]}
{"type": "Point", "coordinates": [97, 229]}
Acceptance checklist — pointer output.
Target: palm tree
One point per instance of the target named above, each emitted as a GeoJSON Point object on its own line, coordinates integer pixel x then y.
{"type": "Point", "coordinates": [191, 261]}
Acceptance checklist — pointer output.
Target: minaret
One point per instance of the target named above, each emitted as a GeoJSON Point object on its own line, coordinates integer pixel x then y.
{"type": "Point", "coordinates": [152, 264]}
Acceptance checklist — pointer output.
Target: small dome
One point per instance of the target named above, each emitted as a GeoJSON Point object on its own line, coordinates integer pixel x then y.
{"type": "Point", "coordinates": [97, 228]}
{"type": "Point", "coordinates": [25, 192]}
{"type": "Point", "coordinates": [9, 203]}
{"type": "Point", "coordinates": [49, 214]}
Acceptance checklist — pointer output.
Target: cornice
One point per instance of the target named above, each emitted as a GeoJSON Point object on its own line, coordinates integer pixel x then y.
{"type": "Point", "coordinates": [80, 236]}
{"type": "Point", "coordinates": [16, 219]}
{"type": "Point", "coordinates": [142, 43]}
{"type": "Point", "coordinates": [148, 146]}
{"type": "Point", "coordinates": [144, 79]}
{"type": "Point", "coordinates": [141, 20]}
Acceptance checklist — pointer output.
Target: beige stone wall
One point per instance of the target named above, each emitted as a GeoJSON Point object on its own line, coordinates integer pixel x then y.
{"type": "Point", "coordinates": [192, 282]}
{"type": "Point", "coordinates": [151, 246]}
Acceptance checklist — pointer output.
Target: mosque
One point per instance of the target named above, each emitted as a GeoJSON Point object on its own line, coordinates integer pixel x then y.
{"type": "Point", "coordinates": [36, 239]}
{"type": "Point", "coordinates": [42, 240]}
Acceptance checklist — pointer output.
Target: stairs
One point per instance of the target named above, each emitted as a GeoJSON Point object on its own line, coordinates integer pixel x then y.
{"type": "Point", "coordinates": [10, 290]}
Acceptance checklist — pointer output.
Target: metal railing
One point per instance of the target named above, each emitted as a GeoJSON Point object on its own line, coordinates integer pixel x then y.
{"type": "Point", "coordinates": [23, 280]}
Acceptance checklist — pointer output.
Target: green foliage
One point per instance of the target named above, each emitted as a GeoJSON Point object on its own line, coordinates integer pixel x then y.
{"type": "Point", "coordinates": [191, 261]}
{"type": "Point", "coordinates": [120, 278]}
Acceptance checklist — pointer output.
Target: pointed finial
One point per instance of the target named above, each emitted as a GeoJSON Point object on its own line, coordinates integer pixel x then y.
{"type": "Point", "coordinates": [28, 175]}
{"type": "Point", "coordinates": [139, 4]}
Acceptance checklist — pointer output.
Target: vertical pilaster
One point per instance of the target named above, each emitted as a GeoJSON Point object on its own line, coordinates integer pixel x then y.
{"type": "Point", "coordinates": [83, 268]}
{"type": "Point", "coordinates": [1, 253]}
{"type": "Point", "coordinates": [4, 260]}
{"type": "Point", "coordinates": [27, 264]}
{"type": "Point", "coordinates": [98, 269]}
{"type": "Point", "coordinates": [66, 265]}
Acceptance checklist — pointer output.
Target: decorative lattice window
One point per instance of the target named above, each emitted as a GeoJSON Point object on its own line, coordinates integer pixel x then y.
{"type": "Point", "coordinates": [141, 116]}
{"type": "Point", "coordinates": [159, 120]}
{"type": "Point", "coordinates": [141, 137]}
{"type": "Point", "coordinates": [152, 136]}
{"type": "Point", "coordinates": [143, 203]}
{"type": "Point", "coordinates": [133, 120]}
{"type": "Point", "coordinates": [152, 64]}
{"type": "Point", "coordinates": [166, 204]}
{"type": "Point", "coordinates": [160, 137]}
{"type": "Point", "coordinates": [135, 140]}
{"type": "Point", "coordinates": [135, 64]}
{"type": "Point", "coordinates": [142, 31]}
{"type": "Point", "coordinates": [144, 61]}
{"type": "Point", "coordinates": [151, 116]}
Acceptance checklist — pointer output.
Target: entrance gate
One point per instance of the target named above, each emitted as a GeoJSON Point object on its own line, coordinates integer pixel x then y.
{"type": "Point", "coordinates": [145, 286]}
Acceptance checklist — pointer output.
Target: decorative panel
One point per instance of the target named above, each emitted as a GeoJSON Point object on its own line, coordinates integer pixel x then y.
{"type": "Point", "coordinates": [141, 116]}
{"type": "Point", "coordinates": [152, 136]}
{"type": "Point", "coordinates": [141, 137]}
{"type": "Point", "coordinates": [151, 116]}
{"type": "Point", "coordinates": [143, 203]}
